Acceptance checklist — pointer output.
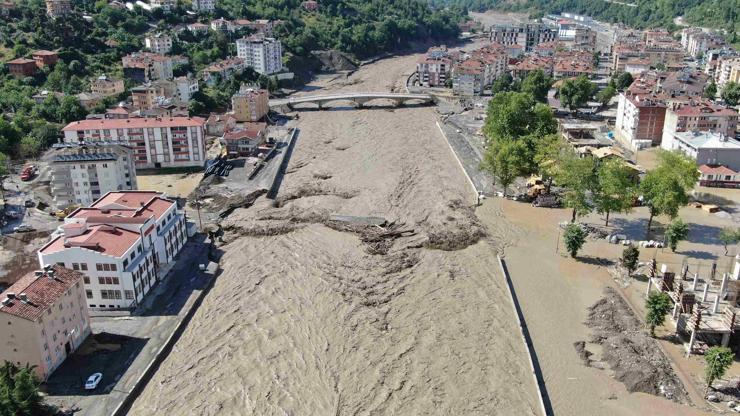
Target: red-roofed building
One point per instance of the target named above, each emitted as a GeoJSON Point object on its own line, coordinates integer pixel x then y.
{"type": "Point", "coordinates": [700, 116]}
{"type": "Point", "coordinates": [119, 243]}
{"type": "Point", "coordinates": [45, 58]}
{"type": "Point", "coordinates": [157, 141]}
{"type": "Point", "coordinates": [310, 5]}
{"type": "Point", "coordinates": [718, 176]}
{"type": "Point", "coordinates": [22, 67]}
{"type": "Point", "coordinates": [44, 318]}
{"type": "Point", "coordinates": [468, 78]}
{"type": "Point", "coordinates": [435, 67]}
{"type": "Point", "coordinates": [245, 141]}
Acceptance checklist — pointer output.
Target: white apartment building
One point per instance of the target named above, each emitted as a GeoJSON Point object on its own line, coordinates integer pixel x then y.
{"type": "Point", "coordinates": [158, 43]}
{"type": "Point", "coordinates": [119, 244]}
{"type": "Point", "coordinates": [185, 88]}
{"type": "Point", "coordinates": [156, 142]}
{"type": "Point", "coordinates": [264, 55]}
{"type": "Point", "coordinates": [82, 174]}
{"type": "Point", "coordinates": [204, 5]}
{"type": "Point", "coordinates": [706, 147]}
{"type": "Point", "coordinates": [166, 5]}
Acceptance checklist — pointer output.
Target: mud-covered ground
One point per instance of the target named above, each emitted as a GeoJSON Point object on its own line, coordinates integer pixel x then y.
{"type": "Point", "coordinates": [316, 317]}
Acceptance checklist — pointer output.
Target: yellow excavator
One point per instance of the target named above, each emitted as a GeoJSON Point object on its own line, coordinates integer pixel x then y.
{"type": "Point", "coordinates": [62, 213]}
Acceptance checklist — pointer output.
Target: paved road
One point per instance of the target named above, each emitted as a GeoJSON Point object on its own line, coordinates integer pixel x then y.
{"type": "Point", "coordinates": [140, 337]}
{"type": "Point", "coordinates": [348, 96]}
{"type": "Point", "coordinates": [469, 156]}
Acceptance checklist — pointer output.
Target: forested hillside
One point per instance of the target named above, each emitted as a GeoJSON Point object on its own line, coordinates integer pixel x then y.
{"type": "Point", "coordinates": [89, 48]}
{"type": "Point", "coordinates": [721, 14]}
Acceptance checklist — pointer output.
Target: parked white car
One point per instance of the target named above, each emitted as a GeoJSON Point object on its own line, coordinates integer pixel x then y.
{"type": "Point", "coordinates": [93, 381]}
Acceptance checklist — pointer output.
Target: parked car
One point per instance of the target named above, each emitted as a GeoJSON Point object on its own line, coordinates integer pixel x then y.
{"type": "Point", "coordinates": [28, 203]}
{"type": "Point", "coordinates": [93, 381]}
{"type": "Point", "coordinates": [23, 228]}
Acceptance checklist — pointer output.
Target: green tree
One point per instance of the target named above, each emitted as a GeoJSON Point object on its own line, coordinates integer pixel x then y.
{"type": "Point", "coordinates": [729, 236]}
{"type": "Point", "coordinates": [605, 95]}
{"type": "Point", "coordinates": [30, 147]}
{"type": "Point", "coordinates": [624, 80]}
{"type": "Point", "coordinates": [574, 238]}
{"type": "Point", "coordinates": [504, 161]}
{"type": "Point", "coordinates": [537, 84]}
{"type": "Point", "coordinates": [731, 93]}
{"type": "Point", "coordinates": [616, 188]}
{"type": "Point", "coordinates": [630, 259]}
{"type": "Point", "coordinates": [718, 361]}
{"type": "Point", "coordinates": [578, 177]}
{"type": "Point", "coordinates": [19, 394]}
{"type": "Point", "coordinates": [658, 304]}
{"type": "Point", "coordinates": [512, 115]}
{"type": "Point", "coordinates": [677, 231]}
{"type": "Point", "coordinates": [70, 109]}
{"type": "Point", "coordinates": [710, 91]}
{"type": "Point", "coordinates": [502, 84]}
{"type": "Point", "coordinates": [575, 93]}
{"type": "Point", "coordinates": [665, 189]}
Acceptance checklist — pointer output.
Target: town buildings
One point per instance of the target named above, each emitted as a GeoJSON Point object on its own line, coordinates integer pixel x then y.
{"type": "Point", "coordinates": [45, 58]}
{"type": "Point", "coordinates": [697, 41]}
{"type": "Point", "coordinates": [468, 78]}
{"type": "Point", "coordinates": [22, 67]}
{"type": "Point", "coordinates": [699, 116]}
{"type": "Point", "coordinates": [156, 141]}
{"type": "Point", "coordinates": [250, 104]}
{"type": "Point", "coordinates": [146, 67]}
{"type": "Point", "coordinates": [264, 55]}
{"type": "Point", "coordinates": [245, 140]}
{"type": "Point", "coordinates": [718, 176]}
{"type": "Point", "coordinates": [80, 174]}
{"type": "Point", "coordinates": [526, 35]}
{"type": "Point", "coordinates": [573, 64]}
{"type": "Point", "coordinates": [686, 83]}
{"type": "Point", "coordinates": [198, 28]}
{"type": "Point", "coordinates": [158, 43]}
{"type": "Point", "coordinates": [435, 67]}
{"type": "Point", "coordinates": [728, 70]}
{"type": "Point", "coordinates": [207, 6]}
{"type": "Point", "coordinates": [641, 113]}
{"type": "Point", "coordinates": [151, 94]}
{"type": "Point", "coordinates": [58, 8]}
{"type": "Point", "coordinates": [706, 147]}
{"type": "Point", "coordinates": [532, 63]}
{"type": "Point", "coordinates": [89, 100]}
{"type": "Point", "coordinates": [222, 70]}
{"type": "Point", "coordinates": [120, 243]}
{"type": "Point", "coordinates": [185, 88]}
{"type": "Point", "coordinates": [45, 319]}
{"type": "Point", "coordinates": [106, 86]}
{"type": "Point", "coordinates": [166, 5]}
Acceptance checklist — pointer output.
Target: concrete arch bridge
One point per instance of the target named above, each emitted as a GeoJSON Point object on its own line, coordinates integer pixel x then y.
{"type": "Point", "coordinates": [358, 100]}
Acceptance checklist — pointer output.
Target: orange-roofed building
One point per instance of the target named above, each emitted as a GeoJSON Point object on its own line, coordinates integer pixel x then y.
{"type": "Point", "coordinates": [120, 243]}
{"type": "Point", "coordinates": [45, 319]}
{"type": "Point", "coordinates": [22, 67]}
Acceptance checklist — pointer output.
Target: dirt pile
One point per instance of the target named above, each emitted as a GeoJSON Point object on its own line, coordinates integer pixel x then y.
{"type": "Point", "coordinates": [333, 60]}
{"type": "Point", "coordinates": [635, 358]}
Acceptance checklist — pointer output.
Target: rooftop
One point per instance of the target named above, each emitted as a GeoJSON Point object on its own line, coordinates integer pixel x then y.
{"type": "Point", "coordinates": [103, 238]}
{"type": "Point", "coordinates": [716, 170]}
{"type": "Point", "coordinates": [707, 140]}
{"type": "Point", "coordinates": [41, 292]}
{"type": "Point", "coordinates": [134, 123]}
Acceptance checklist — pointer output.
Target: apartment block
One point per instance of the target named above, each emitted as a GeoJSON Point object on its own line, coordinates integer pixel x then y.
{"type": "Point", "coordinates": [80, 174]}
{"type": "Point", "coordinates": [158, 43]}
{"type": "Point", "coordinates": [152, 94]}
{"type": "Point", "coordinates": [204, 5]}
{"type": "Point", "coordinates": [706, 147]}
{"type": "Point", "coordinates": [146, 67]}
{"type": "Point", "coordinates": [58, 8]}
{"type": "Point", "coordinates": [120, 244]}
{"type": "Point", "coordinates": [468, 78]}
{"type": "Point", "coordinates": [698, 117]}
{"type": "Point", "coordinates": [106, 86]}
{"type": "Point", "coordinates": [166, 5]}
{"type": "Point", "coordinates": [156, 141]}
{"type": "Point", "coordinates": [45, 319]}
{"type": "Point", "coordinates": [250, 104]}
{"type": "Point", "coordinates": [263, 54]}
{"type": "Point", "coordinates": [435, 67]}
{"type": "Point", "coordinates": [525, 35]}
{"type": "Point", "coordinates": [244, 141]}
{"type": "Point", "coordinates": [223, 70]}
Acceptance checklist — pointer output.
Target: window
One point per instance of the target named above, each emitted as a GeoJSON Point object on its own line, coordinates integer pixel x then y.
{"type": "Point", "coordinates": [86, 279]}
{"type": "Point", "coordinates": [129, 294]}
{"type": "Point", "coordinates": [46, 347]}
{"type": "Point", "coordinates": [99, 267]}
{"type": "Point", "coordinates": [83, 266]}
{"type": "Point", "coordinates": [60, 264]}
{"type": "Point", "coordinates": [101, 280]}
{"type": "Point", "coordinates": [114, 280]}
{"type": "Point", "coordinates": [89, 293]}
{"type": "Point", "coordinates": [113, 267]}
{"type": "Point", "coordinates": [106, 267]}
{"type": "Point", "coordinates": [125, 263]}
{"type": "Point", "coordinates": [75, 266]}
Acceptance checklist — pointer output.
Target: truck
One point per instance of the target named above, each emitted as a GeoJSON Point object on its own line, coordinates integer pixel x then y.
{"type": "Point", "coordinates": [28, 173]}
